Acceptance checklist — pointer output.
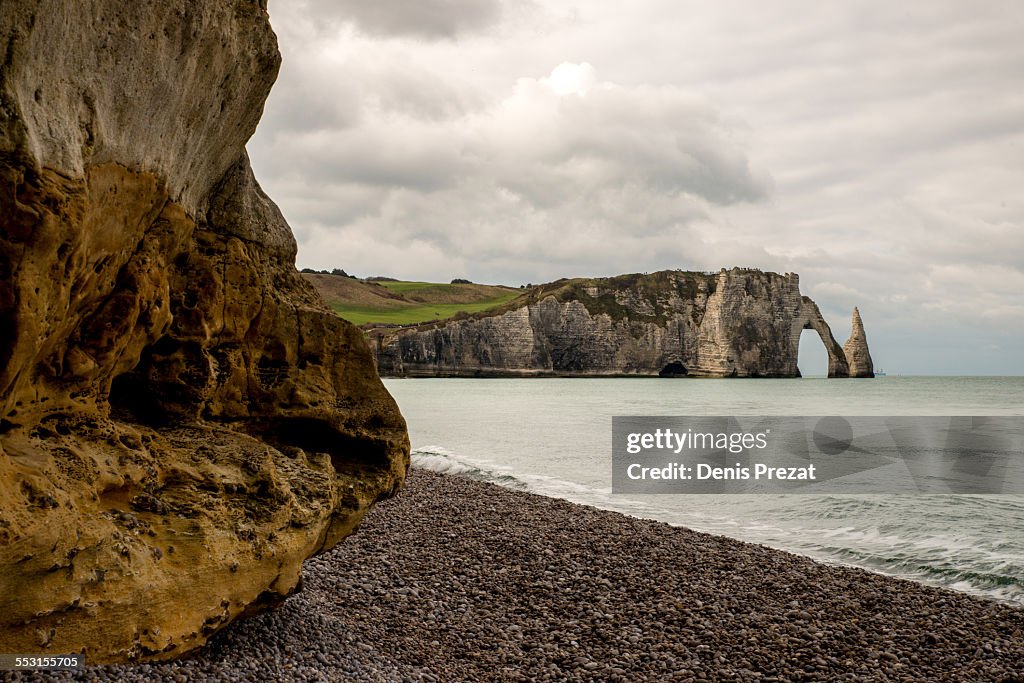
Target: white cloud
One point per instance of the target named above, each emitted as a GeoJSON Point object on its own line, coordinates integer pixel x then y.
{"type": "Point", "coordinates": [571, 79]}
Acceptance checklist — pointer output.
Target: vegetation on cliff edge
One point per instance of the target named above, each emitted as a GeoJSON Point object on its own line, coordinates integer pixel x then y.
{"type": "Point", "coordinates": [396, 302]}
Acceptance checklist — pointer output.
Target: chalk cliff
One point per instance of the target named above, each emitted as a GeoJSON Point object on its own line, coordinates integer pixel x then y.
{"type": "Point", "coordinates": [183, 422]}
{"type": "Point", "coordinates": [856, 349]}
{"type": "Point", "coordinates": [735, 323]}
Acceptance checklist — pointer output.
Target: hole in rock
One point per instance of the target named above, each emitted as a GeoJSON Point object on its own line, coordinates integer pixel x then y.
{"type": "Point", "coordinates": [8, 334]}
{"type": "Point", "coordinates": [131, 400]}
{"type": "Point", "coordinates": [673, 369]}
{"type": "Point", "coordinates": [271, 372]}
{"type": "Point", "coordinates": [165, 346]}
{"type": "Point", "coordinates": [190, 299]}
{"type": "Point", "coordinates": [348, 453]}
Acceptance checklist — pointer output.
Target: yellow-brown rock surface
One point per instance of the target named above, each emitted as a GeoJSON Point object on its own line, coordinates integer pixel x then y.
{"type": "Point", "coordinates": [182, 422]}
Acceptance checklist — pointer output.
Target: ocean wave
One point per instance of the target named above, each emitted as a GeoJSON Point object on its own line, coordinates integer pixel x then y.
{"type": "Point", "coordinates": [440, 459]}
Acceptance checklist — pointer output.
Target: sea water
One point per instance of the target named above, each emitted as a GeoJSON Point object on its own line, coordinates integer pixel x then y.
{"type": "Point", "coordinates": [553, 436]}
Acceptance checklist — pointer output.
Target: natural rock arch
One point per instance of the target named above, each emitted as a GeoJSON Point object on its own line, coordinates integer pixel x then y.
{"type": "Point", "coordinates": [810, 318]}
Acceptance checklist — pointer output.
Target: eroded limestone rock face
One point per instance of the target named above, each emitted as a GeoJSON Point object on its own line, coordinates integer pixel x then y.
{"type": "Point", "coordinates": [856, 349]}
{"type": "Point", "coordinates": [735, 323]}
{"type": "Point", "coordinates": [183, 422]}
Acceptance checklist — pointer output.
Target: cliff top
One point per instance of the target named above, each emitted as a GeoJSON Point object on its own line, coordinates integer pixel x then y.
{"type": "Point", "coordinates": [605, 294]}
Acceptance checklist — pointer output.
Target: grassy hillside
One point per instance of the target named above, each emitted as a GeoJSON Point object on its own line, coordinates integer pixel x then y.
{"type": "Point", "coordinates": [405, 303]}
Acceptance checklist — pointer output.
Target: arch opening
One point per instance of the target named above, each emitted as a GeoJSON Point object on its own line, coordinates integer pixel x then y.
{"type": "Point", "coordinates": [812, 357]}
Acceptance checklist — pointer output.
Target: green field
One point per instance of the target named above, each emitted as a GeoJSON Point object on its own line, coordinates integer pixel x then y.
{"type": "Point", "coordinates": [406, 303]}
{"type": "Point", "coordinates": [403, 286]}
{"type": "Point", "coordinates": [360, 315]}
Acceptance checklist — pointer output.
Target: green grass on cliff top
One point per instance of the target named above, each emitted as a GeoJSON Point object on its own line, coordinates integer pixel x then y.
{"type": "Point", "coordinates": [413, 315]}
{"type": "Point", "coordinates": [407, 303]}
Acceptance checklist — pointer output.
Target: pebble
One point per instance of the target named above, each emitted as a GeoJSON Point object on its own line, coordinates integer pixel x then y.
{"type": "Point", "coordinates": [457, 580]}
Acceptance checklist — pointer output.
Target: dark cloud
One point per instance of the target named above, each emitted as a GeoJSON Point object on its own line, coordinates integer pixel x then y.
{"type": "Point", "coordinates": [307, 100]}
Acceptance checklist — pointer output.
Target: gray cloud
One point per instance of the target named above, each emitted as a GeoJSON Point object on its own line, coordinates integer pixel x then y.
{"type": "Point", "coordinates": [428, 19]}
{"type": "Point", "coordinates": [561, 165]}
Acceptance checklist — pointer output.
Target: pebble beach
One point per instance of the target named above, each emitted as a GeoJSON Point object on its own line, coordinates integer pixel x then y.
{"type": "Point", "coordinates": [459, 580]}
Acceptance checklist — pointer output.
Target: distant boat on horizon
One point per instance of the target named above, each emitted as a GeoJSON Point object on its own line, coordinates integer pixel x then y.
{"type": "Point", "coordinates": [880, 372]}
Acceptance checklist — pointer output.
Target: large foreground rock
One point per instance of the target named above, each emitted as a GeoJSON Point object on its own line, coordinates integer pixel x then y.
{"type": "Point", "coordinates": [735, 323]}
{"type": "Point", "coordinates": [183, 422]}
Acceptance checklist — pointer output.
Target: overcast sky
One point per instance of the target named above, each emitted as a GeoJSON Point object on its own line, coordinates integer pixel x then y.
{"type": "Point", "coordinates": [876, 148]}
